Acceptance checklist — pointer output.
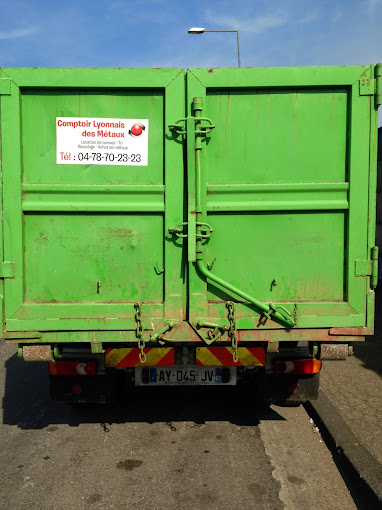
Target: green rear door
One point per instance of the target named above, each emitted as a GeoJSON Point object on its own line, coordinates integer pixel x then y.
{"type": "Point", "coordinates": [284, 185]}
{"type": "Point", "coordinates": [87, 241]}
{"type": "Point", "coordinates": [285, 188]}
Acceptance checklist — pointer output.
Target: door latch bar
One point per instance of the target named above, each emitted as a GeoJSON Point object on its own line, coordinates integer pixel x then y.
{"type": "Point", "coordinates": [215, 331]}
{"type": "Point", "coordinates": [167, 325]}
{"type": "Point", "coordinates": [178, 129]}
{"type": "Point", "coordinates": [205, 231]}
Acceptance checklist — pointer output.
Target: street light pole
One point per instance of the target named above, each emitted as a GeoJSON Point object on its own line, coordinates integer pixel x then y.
{"type": "Point", "coordinates": [197, 30]}
{"type": "Point", "coordinates": [238, 48]}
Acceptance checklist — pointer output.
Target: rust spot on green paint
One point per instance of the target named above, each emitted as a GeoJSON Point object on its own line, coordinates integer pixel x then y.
{"type": "Point", "coordinates": [121, 233]}
{"type": "Point", "coordinates": [42, 237]}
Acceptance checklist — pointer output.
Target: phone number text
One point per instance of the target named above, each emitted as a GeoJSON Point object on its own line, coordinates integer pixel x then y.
{"type": "Point", "coordinates": [98, 156]}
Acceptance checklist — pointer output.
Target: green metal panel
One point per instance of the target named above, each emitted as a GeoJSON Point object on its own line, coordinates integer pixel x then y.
{"type": "Point", "coordinates": [286, 179]}
{"type": "Point", "coordinates": [88, 241]}
{"type": "Point", "coordinates": [39, 109]}
{"type": "Point", "coordinates": [108, 257]}
{"type": "Point", "coordinates": [285, 186]}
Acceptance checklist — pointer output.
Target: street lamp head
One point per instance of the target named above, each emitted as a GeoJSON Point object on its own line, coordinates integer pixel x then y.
{"type": "Point", "coordinates": [200, 30]}
{"type": "Point", "coordinates": [196, 30]}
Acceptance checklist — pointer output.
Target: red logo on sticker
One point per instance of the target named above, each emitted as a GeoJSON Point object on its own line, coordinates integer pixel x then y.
{"type": "Point", "coordinates": [136, 130]}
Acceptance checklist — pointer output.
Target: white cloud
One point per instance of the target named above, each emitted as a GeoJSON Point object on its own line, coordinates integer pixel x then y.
{"type": "Point", "coordinates": [256, 25]}
{"type": "Point", "coordinates": [309, 17]}
{"type": "Point", "coordinates": [372, 3]}
{"type": "Point", "coordinates": [15, 34]}
{"type": "Point", "coordinates": [337, 15]}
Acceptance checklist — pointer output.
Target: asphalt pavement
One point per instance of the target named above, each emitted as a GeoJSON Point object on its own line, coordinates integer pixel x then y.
{"type": "Point", "coordinates": [174, 448]}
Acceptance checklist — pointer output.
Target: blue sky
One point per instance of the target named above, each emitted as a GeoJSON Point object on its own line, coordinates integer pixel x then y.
{"type": "Point", "coordinates": [153, 33]}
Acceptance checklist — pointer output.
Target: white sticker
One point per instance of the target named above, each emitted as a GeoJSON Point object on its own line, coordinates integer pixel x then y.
{"type": "Point", "coordinates": [93, 141]}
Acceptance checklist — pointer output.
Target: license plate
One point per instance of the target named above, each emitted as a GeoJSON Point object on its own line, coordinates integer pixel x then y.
{"type": "Point", "coordinates": [174, 376]}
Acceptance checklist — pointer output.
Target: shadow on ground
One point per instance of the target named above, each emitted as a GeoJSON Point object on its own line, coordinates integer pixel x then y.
{"type": "Point", "coordinates": [370, 351]}
{"type": "Point", "coordinates": [27, 404]}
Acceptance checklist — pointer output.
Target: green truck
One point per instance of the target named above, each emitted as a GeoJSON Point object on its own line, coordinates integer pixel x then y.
{"type": "Point", "coordinates": [199, 227]}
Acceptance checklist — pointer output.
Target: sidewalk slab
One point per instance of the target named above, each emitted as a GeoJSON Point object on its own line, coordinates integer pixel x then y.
{"type": "Point", "coordinates": [349, 405]}
{"type": "Point", "coordinates": [356, 391]}
{"type": "Point", "coordinates": [364, 463]}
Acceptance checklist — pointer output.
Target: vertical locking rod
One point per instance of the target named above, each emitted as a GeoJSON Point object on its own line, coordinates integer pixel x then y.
{"type": "Point", "coordinates": [287, 322]}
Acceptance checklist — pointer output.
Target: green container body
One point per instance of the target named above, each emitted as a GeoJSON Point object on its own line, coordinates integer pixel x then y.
{"type": "Point", "coordinates": [285, 183]}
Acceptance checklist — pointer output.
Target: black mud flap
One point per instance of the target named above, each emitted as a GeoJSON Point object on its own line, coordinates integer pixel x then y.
{"type": "Point", "coordinates": [291, 388]}
{"type": "Point", "coordinates": [93, 389]}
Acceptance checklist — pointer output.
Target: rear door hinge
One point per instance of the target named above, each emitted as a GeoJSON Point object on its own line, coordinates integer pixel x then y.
{"type": "Point", "coordinates": [366, 86]}
{"type": "Point", "coordinates": [372, 86]}
{"type": "Point", "coordinates": [378, 85]}
{"type": "Point", "coordinates": [369, 267]}
{"type": "Point", "coordinates": [7, 270]}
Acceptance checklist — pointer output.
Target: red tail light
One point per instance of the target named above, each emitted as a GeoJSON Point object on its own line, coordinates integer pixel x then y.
{"type": "Point", "coordinates": [298, 366]}
{"type": "Point", "coordinates": [72, 368]}
{"type": "Point", "coordinates": [76, 389]}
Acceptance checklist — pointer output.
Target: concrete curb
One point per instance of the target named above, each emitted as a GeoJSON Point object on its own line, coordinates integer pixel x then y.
{"type": "Point", "coordinates": [364, 463]}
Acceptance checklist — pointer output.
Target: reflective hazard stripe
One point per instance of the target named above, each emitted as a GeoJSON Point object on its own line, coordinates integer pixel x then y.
{"type": "Point", "coordinates": [222, 356]}
{"type": "Point", "coordinates": [129, 357]}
